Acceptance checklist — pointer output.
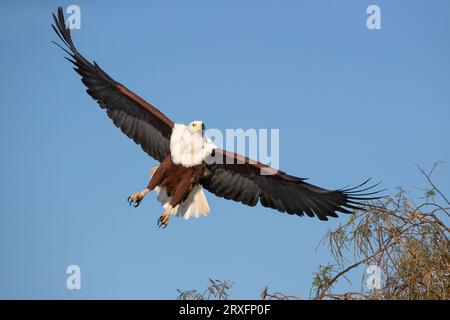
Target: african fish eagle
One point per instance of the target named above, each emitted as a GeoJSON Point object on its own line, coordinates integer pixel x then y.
{"type": "Point", "coordinates": [185, 154]}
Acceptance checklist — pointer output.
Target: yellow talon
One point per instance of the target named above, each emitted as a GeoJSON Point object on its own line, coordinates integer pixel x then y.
{"type": "Point", "coordinates": [136, 198]}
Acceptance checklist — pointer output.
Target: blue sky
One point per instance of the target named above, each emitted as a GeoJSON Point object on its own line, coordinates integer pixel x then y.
{"type": "Point", "coordinates": [350, 104]}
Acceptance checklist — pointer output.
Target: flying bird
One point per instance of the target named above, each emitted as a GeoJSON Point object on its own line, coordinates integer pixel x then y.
{"type": "Point", "coordinates": [191, 162]}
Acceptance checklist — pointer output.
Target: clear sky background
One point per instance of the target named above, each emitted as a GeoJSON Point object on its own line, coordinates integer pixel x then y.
{"type": "Point", "coordinates": [350, 104]}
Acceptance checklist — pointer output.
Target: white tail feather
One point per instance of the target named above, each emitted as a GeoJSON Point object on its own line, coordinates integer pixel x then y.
{"type": "Point", "coordinates": [195, 205]}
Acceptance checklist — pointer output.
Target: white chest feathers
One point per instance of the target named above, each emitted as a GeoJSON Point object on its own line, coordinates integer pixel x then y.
{"type": "Point", "coordinates": [189, 148]}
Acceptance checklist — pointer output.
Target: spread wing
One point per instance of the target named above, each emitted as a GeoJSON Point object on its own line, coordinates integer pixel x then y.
{"type": "Point", "coordinates": [138, 119]}
{"type": "Point", "coordinates": [233, 176]}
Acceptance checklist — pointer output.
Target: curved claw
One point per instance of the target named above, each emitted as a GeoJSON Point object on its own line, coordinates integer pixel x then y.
{"type": "Point", "coordinates": [135, 199]}
{"type": "Point", "coordinates": [137, 203]}
{"type": "Point", "coordinates": [161, 223]}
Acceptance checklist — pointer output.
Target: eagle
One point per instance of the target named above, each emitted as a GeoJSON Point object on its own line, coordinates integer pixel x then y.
{"type": "Point", "coordinates": [191, 162]}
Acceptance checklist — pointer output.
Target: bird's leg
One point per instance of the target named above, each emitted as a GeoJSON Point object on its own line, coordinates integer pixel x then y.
{"type": "Point", "coordinates": [136, 198]}
{"type": "Point", "coordinates": [164, 219]}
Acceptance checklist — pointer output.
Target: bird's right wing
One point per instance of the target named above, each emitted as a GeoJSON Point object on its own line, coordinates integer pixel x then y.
{"type": "Point", "coordinates": [138, 119]}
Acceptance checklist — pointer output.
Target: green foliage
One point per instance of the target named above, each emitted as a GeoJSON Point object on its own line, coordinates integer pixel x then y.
{"type": "Point", "coordinates": [217, 289]}
{"type": "Point", "coordinates": [322, 278]}
{"type": "Point", "coordinates": [408, 242]}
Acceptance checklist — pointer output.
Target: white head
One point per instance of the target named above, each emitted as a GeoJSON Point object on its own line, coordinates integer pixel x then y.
{"type": "Point", "coordinates": [188, 144]}
{"type": "Point", "coordinates": [196, 127]}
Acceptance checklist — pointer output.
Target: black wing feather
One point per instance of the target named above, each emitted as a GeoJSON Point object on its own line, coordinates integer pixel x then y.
{"type": "Point", "coordinates": [244, 183]}
{"type": "Point", "coordinates": [139, 120]}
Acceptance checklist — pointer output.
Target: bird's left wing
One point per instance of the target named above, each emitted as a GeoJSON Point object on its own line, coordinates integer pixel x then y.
{"type": "Point", "coordinates": [233, 176]}
{"type": "Point", "coordinates": [138, 119]}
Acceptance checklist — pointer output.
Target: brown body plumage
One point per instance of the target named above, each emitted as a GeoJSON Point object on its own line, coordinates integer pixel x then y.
{"type": "Point", "coordinates": [177, 180]}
